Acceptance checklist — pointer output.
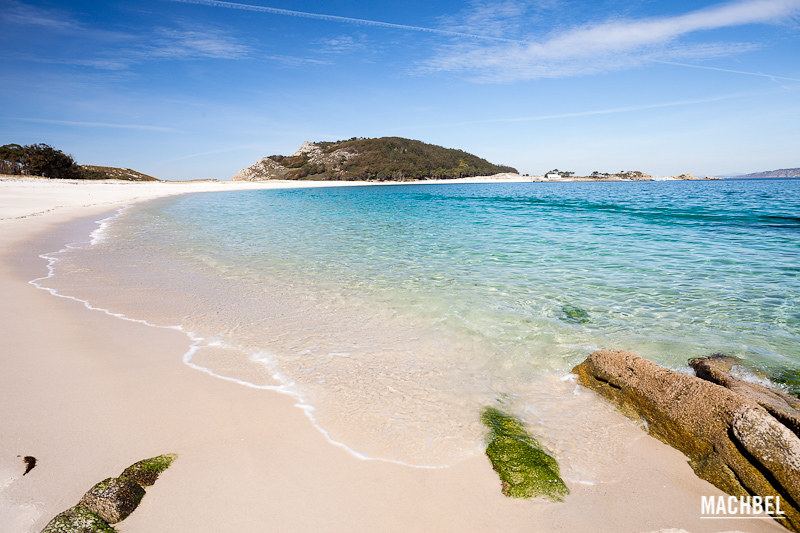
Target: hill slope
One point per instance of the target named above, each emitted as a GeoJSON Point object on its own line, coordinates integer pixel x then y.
{"type": "Point", "coordinates": [114, 173]}
{"type": "Point", "coordinates": [384, 159]}
{"type": "Point", "coordinates": [781, 173]}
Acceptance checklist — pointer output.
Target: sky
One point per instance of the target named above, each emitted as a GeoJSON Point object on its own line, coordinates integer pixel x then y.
{"type": "Point", "coordinates": [186, 89]}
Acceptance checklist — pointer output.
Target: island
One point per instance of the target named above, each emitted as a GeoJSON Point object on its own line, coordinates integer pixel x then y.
{"type": "Point", "coordinates": [383, 159]}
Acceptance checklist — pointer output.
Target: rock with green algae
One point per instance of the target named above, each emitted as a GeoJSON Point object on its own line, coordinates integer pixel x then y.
{"type": "Point", "coordinates": [146, 472]}
{"type": "Point", "coordinates": [575, 314]}
{"type": "Point", "coordinates": [78, 520]}
{"type": "Point", "coordinates": [113, 499]}
{"type": "Point", "coordinates": [523, 467]}
{"type": "Point", "coordinates": [789, 377]}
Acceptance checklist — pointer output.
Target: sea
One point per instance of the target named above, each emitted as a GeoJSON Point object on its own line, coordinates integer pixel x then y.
{"type": "Point", "coordinates": [394, 314]}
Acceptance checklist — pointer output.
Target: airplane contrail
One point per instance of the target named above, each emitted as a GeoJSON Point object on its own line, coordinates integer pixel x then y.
{"type": "Point", "coordinates": [607, 111]}
{"type": "Point", "coordinates": [336, 18]}
{"type": "Point", "coordinates": [704, 67]}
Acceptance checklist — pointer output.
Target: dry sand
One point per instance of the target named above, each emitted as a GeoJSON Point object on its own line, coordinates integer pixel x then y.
{"type": "Point", "coordinates": [88, 394]}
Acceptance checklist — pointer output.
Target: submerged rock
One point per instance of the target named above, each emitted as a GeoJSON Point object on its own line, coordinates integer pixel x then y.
{"type": "Point", "coordinates": [717, 369]}
{"type": "Point", "coordinates": [522, 465]}
{"type": "Point", "coordinates": [575, 314]}
{"type": "Point", "coordinates": [789, 377]}
{"type": "Point", "coordinates": [730, 440]}
{"type": "Point", "coordinates": [78, 520]}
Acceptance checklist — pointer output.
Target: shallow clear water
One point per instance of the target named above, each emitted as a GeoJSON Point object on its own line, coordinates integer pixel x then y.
{"type": "Point", "coordinates": [395, 312]}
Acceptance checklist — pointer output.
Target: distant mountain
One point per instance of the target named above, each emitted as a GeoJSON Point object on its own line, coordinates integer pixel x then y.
{"type": "Point", "coordinates": [782, 173]}
{"type": "Point", "coordinates": [384, 159]}
{"type": "Point", "coordinates": [113, 173]}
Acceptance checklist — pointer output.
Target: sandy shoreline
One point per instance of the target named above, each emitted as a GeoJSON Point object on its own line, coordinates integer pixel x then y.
{"type": "Point", "coordinates": [87, 394]}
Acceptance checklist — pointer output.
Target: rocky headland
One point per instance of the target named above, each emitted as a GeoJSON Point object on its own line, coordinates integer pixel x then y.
{"type": "Point", "coordinates": [724, 425]}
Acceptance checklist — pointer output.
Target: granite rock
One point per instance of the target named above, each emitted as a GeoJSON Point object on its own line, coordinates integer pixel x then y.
{"type": "Point", "coordinates": [717, 369]}
{"type": "Point", "coordinates": [730, 440]}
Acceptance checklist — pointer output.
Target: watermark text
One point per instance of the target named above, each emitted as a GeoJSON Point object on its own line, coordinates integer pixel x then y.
{"type": "Point", "coordinates": [741, 507]}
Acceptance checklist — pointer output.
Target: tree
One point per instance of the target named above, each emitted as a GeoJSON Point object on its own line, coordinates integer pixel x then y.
{"type": "Point", "coordinates": [39, 160]}
{"type": "Point", "coordinates": [43, 160]}
{"type": "Point", "coordinates": [11, 156]}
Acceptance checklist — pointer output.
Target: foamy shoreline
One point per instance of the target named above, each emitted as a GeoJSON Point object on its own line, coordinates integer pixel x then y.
{"type": "Point", "coordinates": [88, 394]}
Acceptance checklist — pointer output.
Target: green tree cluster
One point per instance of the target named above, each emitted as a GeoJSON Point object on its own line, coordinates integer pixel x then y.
{"type": "Point", "coordinates": [39, 160]}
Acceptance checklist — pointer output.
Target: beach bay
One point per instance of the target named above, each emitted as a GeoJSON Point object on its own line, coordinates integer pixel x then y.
{"type": "Point", "coordinates": [94, 393]}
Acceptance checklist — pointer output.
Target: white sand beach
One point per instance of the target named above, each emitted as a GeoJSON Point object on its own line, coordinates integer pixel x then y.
{"type": "Point", "coordinates": [87, 394]}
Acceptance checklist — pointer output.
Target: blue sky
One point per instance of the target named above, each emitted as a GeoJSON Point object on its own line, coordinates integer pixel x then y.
{"type": "Point", "coordinates": [202, 88]}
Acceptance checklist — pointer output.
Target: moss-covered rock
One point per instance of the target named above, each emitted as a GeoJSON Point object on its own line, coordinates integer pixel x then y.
{"type": "Point", "coordinates": [113, 499]}
{"type": "Point", "coordinates": [146, 472]}
{"type": "Point", "coordinates": [78, 520]}
{"type": "Point", "coordinates": [524, 468]}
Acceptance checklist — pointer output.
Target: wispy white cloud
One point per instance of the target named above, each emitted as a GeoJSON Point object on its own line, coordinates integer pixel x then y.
{"type": "Point", "coordinates": [196, 42]}
{"type": "Point", "coordinates": [503, 18]}
{"type": "Point", "coordinates": [141, 127]}
{"type": "Point", "coordinates": [107, 49]}
{"type": "Point", "coordinates": [343, 44]}
{"type": "Point", "coordinates": [295, 61]}
{"type": "Point", "coordinates": [105, 64]}
{"type": "Point", "coordinates": [609, 45]}
{"type": "Point", "coordinates": [17, 13]}
{"type": "Point", "coordinates": [336, 18]}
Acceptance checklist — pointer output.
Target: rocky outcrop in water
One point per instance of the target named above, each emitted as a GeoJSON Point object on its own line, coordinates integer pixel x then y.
{"type": "Point", "coordinates": [718, 369]}
{"type": "Point", "coordinates": [730, 440]}
{"type": "Point", "coordinates": [111, 500]}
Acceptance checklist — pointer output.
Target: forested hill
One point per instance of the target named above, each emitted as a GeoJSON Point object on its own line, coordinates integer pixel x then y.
{"type": "Point", "coordinates": [384, 159]}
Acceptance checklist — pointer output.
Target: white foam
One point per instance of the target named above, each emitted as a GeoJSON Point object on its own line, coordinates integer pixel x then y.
{"type": "Point", "coordinates": [198, 343]}
{"type": "Point", "coordinates": [99, 234]}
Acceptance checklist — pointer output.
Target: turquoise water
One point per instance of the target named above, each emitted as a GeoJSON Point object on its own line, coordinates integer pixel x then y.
{"type": "Point", "coordinates": [379, 306]}
{"type": "Point", "coordinates": [674, 269]}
